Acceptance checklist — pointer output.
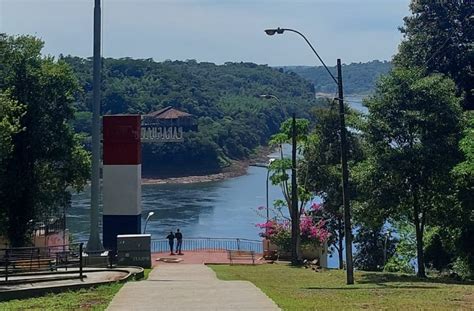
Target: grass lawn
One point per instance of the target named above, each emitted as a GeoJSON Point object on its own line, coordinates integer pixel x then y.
{"type": "Point", "coordinates": [84, 299]}
{"type": "Point", "coordinates": [303, 289]}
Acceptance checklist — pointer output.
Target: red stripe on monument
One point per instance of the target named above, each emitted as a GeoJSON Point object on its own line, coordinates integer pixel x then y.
{"type": "Point", "coordinates": [122, 144]}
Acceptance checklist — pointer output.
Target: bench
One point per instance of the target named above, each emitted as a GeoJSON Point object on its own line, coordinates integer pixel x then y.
{"type": "Point", "coordinates": [26, 259]}
{"type": "Point", "coordinates": [33, 264]}
{"type": "Point", "coordinates": [237, 254]}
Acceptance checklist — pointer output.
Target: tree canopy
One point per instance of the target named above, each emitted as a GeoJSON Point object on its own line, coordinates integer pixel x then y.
{"type": "Point", "coordinates": [44, 157]}
{"type": "Point", "coordinates": [232, 119]}
{"type": "Point", "coordinates": [439, 36]}
{"type": "Point", "coordinates": [359, 78]}
{"type": "Point", "coordinates": [412, 132]}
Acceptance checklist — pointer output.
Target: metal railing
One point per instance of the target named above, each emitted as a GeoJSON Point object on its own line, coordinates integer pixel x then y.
{"type": "Point", "coordinates": [22, 261]}
{"type": "Point", "coordinates": [209, 244]}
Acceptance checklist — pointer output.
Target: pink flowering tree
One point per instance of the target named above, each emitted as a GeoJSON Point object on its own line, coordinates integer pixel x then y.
{"type": "Point", "coordinates": [313, 229]}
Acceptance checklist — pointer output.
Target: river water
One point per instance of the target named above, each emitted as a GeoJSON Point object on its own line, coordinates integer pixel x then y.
{"type": "Point", "coordinates": [221, 209]}
{"type": "Point", "coordinates": [226, 208]}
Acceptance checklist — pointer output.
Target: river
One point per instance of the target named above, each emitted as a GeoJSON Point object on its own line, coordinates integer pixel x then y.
{"type": "Point", "coordinates": [226, 208]}
{"type": "Point", "coordinates": [221, 209]}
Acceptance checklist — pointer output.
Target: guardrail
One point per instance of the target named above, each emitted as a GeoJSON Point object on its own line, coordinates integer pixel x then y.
{"type": "Point", "coordinates": [209, 244]}
{"type": "Point", "coordinates": [19, 261]}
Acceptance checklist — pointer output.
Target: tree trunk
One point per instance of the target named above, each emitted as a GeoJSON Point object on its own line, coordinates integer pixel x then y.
{"type": "Point", "coordinates": [340, 249]}
{"type": "Point", "coordinates": [295, 217]}
{"type": "Point", "coordinates": [419, 238]}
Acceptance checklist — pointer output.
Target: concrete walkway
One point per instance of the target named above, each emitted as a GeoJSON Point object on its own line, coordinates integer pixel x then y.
{"type": "Point", "coordinates": [189, 287]}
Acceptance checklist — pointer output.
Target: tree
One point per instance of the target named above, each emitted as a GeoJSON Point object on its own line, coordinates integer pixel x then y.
{"type": "Point", "coordinates": [47, 158]}
{"type": "Point", "coordinates": [412, 133]}
{"type": "Point", "coordinates": [439, 36]}
{"type": "Point", "coordinates": [462, 229]}
{"type": "Point", "coordinates": [374, 248]}
{"type": "Point", "coordinates": [321, 167]}
{"type": "Point", "coordinates": [279, 176]}
{"type": "Point", "coordinates": [10, 113]}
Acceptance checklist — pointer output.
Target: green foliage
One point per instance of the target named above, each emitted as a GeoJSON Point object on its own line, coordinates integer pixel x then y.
{"type": "Point", "coordinates": [412, 132]}
{"type": "Point", "coordinates": [232, 119]}
{"type": "Point", "coordinates": [279, 168]}
{"type": "Point", "coordinates": [374, 248]}
{"type": "Point", "coordinates": [47, 158]}
{"type": "Point", "coordinates": [439, 36]}
{"type": "Point", "coordinates": [462, 268]}
{"type": "Point", "coordinates": [359, 78]}
{"type": "Point", "coordinates": [10, 114]}
{"type": "Point", "coordinates": [321, 166]}
{"type": "Point", "coordinates": [436, 254]}
{"type": "Point", "coordinates": [405, 251]}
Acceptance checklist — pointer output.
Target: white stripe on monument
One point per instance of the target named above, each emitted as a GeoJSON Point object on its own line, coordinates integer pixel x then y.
{"type": "Point", "coordinates": [122, 189]}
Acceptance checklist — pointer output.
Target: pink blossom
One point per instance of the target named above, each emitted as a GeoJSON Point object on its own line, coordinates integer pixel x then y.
{"type": "Point", "coordinates": [316, 207]}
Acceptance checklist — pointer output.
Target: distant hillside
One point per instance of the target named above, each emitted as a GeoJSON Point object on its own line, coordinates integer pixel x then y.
{"type": "Point", "coordinates": [233, 120]}
{"type": "Point", "coordinates": [358, 78]}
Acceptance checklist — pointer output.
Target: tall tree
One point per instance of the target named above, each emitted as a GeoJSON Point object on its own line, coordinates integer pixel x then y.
{"type": "Point", "coordinates": [10, 113]}
{"type": "Point", "coordinates": [279, 176]}
{"type": "Point", "coordinates": [321, 167]}
{"type": "Point", "coordinates": [439, 35]}
{"type": "Point", "coordinates": [412, 132]}
{"type": "Point", "coordinates": [47, 158]}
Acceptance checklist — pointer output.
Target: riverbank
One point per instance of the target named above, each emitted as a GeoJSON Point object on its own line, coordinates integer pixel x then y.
{"type": "Point", "coordinates": [235, 169]}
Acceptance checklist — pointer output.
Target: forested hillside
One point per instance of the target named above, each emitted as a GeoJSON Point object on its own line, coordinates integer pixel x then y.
{"type": "Point", "coordinates": [358, 78]}
{"type": "Point", "coordinates": [233, 120]}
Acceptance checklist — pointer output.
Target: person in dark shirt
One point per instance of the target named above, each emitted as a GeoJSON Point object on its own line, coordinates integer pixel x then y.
{"type": "Point", "coordinates": [170, 238]}
{"type": "Point", "coordinates": [179, 239]}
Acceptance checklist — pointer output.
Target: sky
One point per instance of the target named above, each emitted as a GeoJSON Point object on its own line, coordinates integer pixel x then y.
{"type": "Point", "coordinates": [215, 31]}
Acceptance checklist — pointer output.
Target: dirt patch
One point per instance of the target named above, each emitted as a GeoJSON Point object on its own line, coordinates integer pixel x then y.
{"type": "Point", "coordinates": [468, 300]}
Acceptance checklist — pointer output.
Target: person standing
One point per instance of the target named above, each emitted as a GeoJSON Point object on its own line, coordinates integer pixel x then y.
{"type": "Point", "coordinates": [179, 241]}
{"type": "Point", "coordinates": [170, 238]}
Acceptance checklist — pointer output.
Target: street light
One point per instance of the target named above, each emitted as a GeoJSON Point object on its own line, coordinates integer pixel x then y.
{"type": "Point", "coordinates": [269, 96]}
{"type": "Point", "coordinates": [146, 220]}
{"type": "Point", "coordinates": [345, 173]}
{"type": "Point", "coordinates": [268, 175]}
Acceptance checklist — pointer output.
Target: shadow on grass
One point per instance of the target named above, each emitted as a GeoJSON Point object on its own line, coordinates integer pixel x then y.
{"type": "Point", "coordinates": [381, 278]}
{"type": "Point", "coordinates": [379, 287]}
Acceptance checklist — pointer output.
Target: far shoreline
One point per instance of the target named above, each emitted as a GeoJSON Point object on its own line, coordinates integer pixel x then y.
{"type": "Point", "coordinates": [236, 169]}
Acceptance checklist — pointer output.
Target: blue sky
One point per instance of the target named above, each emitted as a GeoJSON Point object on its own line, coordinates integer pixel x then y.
{"type": "Point", "coordinates": [214, 30]}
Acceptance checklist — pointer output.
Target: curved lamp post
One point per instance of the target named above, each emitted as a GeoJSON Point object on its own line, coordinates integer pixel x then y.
{"type": "Point", "coordinates": [345, 173]}
{"type": "Point", "coordinates": [146, 221]}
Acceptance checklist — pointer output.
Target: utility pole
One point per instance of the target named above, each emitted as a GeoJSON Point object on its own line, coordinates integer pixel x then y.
{"type": "Point", "coordinates": [94, 244]}
{"type": "Point", "coordinates": [345, 179]}
{"type": "Point", "coordinates": [295, 228]}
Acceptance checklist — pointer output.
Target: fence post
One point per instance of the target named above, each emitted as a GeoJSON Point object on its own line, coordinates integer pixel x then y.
{"type": "Point", "coordinates": [238, 244]}
{"type": "Point", "coordinates": [7, 251]}
{"type": "Point", "coordinates": [80, 260]}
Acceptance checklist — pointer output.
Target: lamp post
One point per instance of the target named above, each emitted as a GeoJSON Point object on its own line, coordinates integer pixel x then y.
{"type": "Point", "coordinates": [94, 244]}
{"type": "Point", "coordinates": [268, 175]}
{"type": "Point", "coordinates": [146, 220]}
{"type": "Point", "coordinates": [345, 173]}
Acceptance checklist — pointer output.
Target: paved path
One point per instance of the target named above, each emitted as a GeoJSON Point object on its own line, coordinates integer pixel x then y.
{"type": "Point", "coordinates": [189, 287]}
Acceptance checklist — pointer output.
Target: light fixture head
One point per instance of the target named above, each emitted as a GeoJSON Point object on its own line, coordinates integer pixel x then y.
{"type": "Point", "coordinates": [273, 31]}
{"type": "Point", "coordinates": [151, 214]}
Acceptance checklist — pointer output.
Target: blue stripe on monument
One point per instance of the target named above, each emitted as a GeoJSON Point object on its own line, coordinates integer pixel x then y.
{"type": "Point", "coordinates": [114, 225]}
